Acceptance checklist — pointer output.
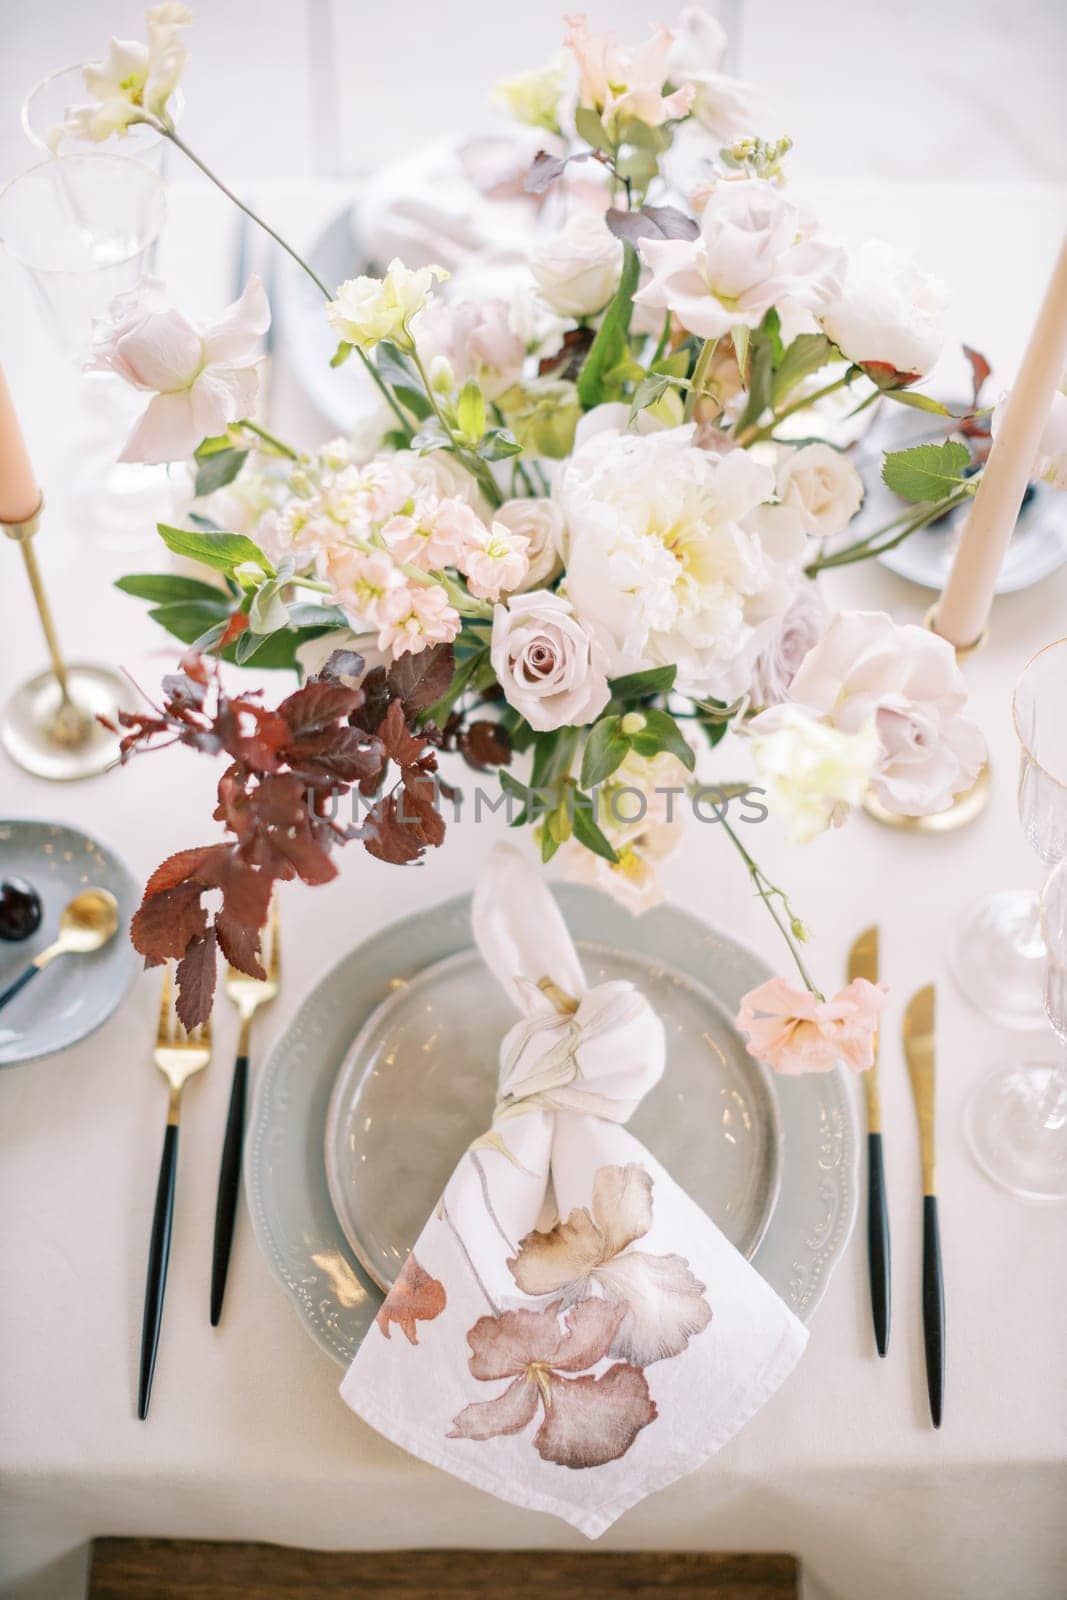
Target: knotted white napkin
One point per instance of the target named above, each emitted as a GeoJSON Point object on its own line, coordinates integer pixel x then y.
{"type": "Point", "coordinates": [570, 1332]}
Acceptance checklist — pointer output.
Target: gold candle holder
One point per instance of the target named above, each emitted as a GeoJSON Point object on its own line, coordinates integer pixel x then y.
{"type": "Point", "coordinates": [967, 805]}
{"type": "Point", "coordinates": [50, 724]}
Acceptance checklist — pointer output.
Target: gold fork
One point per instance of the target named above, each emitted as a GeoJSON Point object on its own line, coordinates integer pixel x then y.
{"type": "Point", "coordinates": [247, 994]}
{"type": "Point", "coordinates": [177, 1055]}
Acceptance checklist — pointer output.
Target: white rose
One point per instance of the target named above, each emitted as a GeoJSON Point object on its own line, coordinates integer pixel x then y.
{"type": "Point", "coordinates": [577, 270]}
{"type": "Point", "coordinates": [550, 669]}
{"type": "Point", "coordinates": [823, 485]}
{"type": "Point", "coordinates": [904, 680]}
{"type": "Point", "coordinates": [1050, 462]}
{"type": "Point", "coordinates": [779, 661]}
{"type": "Point", "coordinates": [368, 310]}
{"type": "Point", "coordinates": [814, 773]}
{"type": "Point", "coordinates": [754, 249]}
{"type": "Point", "coordinates": [541, 523]}
{"type": "Point", "coordinates": [889, 313]}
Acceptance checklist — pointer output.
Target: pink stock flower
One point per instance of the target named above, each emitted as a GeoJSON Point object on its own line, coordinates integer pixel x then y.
{"type": "Point", "coordinates": [202, 377]}
{"type": "Point", "coordinates": [794, 1032]}
{"type": "Point", "coordinates": [364, 581]}
{"type": "Point", "coordinates": [415, 616]}
{"type": "Point", "coordinates": [494, 561]}
{"type": "Point", "coordinates": [625, 85]}
{"type": "Point", "coordinates": [434, 533]}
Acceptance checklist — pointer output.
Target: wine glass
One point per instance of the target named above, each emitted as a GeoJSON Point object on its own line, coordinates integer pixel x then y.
{"type": "Point", "coordinates": [83, 228]}
{"type": "Point", "coordinates": [48, 102]}
{"type": "Point", "coordinates": [997, 953]}
{"type": "Point", "coordinates": [1016, 1118]}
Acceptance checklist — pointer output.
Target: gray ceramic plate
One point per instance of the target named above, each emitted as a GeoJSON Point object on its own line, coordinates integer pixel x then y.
{"type": "Point", "coordinates": [285, 1171]}
{"type": "Point", "coordinates": [75, 994]}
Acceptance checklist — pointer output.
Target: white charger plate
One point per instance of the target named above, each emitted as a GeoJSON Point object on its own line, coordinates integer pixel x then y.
{"type": "Point", "coordinates": [285, 1170]}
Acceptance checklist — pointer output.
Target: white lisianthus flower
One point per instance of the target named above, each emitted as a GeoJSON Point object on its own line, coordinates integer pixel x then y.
{"type": "Point", "coordinates": [134, 81]}
{"type": "Point", "coordinates": [1050, 462]}
{"type": "Point", "coordinates": [368, 310]}
{"type": "Point", "coordinates": [868, 671]}
{"type": "Point", "coordinates": [577, 270]}
{"type": "Point", "coordinates": [533, 97]}
{"type": "Point", "coordinates": [674, 557]}
{"type": "Point", "coordinates": [550, 668]}
{"type": "Point", "coordinates": [540, 523]}
{"type": "Point", "coordinates": [202, 377]}
{"type": "Point", "coordinates": [888, 315]}
{"type": "Point", "coordinates": [754, 248]}
{"type": "Point", "coordinates": [625, 85]}
{"type": "Point", "coordinates": [477, 340]}
{"type": "Point", "coordinates": [822, 484]}
{"type": "Point", "coordinates": [633, 880]}
{"type": "Point", "coordinates": [724, 106]}
{"type": "Point", "coordinates": [814, 773]}
{"type": "Point", "coordinates": [780, 658]}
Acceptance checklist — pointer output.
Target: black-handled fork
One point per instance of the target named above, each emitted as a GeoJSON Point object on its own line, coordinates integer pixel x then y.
{"type": "Point", "coordinates": [247, 994]}
{"type": "Point", "coordinates": [177, 1055]}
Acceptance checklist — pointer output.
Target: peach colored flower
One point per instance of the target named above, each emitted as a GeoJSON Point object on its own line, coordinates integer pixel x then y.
{"type": "Point", "coordinates": [414, 617]}
{"type": "Point", "coordinates": [363, 581]}
{"type": "Point", "coordinates": [794, 1032]}
{"type": "Point", "coordinates": [414, 1297]}
{"type": "Point", "coordinates": [494, 561]}
{"type": "Point", "coordinates": [661, 1301]}
{"type": "Point", "coordinates": [587, 1420]}
{"type": "Point", "coordinates": [433, 534]}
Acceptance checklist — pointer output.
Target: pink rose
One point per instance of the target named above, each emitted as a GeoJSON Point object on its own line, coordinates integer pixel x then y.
{"type": "Point", "coordinates": [794, 1032]}
{"type": "Point", "coordinates": [550, 668]}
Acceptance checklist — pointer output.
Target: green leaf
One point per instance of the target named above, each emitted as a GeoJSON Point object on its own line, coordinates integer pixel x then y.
{"type": "Point", "coordinates": [218, 469]}
{"type": "Point", "coordinates": [553, 757]}
{"type": "Point", "coordinates": [661, 732]}
{"type": "Point", "coordinates": [926, 471]}
{"type": "Point", "coordinates": [224, 551]}
{"type": "Point", "coordinates": [807, 354]}
{"type": "Point", "coordinates": [639, 165]}
{"type": "Point", "coordinates": [760, 378]}
{"type": "Point", "coordinates": [589, 127]}
{"type": "Point", "coordinates": [267, 612]}
{"type": "Point", "coordinates": [470, 411]}
{"type": "Point", "coordinates": [402, 377]}
{"type": "Point", "coordinates": [499, 445]}
{"type": "Point", "coordinates": [518, 791]}
{"type": "Point", "coordinates": [921, 402]}
{"type": "Point", "coordinates": [609, 346]}
{"type": "Point", "coordinates": [649, 390]}
{"type": "Point", "coordinates": [188, 620]}
{"type": "Point", "coordinates": [636, 685]}
{"type": "Point", "coordinates": [215, 445]}
{"type": "Point", "coordinates": [587, 832]}
{"type": "Point", "coordinates": [275, 651]}
{"type": "Point", "coordinates": [341, 354]}
{"type": "Point", "coordinates": [605, 750]}
{"type": "Point", "coordinates": [164, 587]}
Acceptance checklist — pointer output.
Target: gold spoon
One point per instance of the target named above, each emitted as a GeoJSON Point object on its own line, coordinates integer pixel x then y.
{"type": "Point", "coordinates": [87, 923]}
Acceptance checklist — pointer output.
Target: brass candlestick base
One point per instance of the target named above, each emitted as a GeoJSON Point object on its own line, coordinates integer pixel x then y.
{"type": "Point", "coordinates": [49, 726]}
{"type": "Point", "coordinates": [967, 805]}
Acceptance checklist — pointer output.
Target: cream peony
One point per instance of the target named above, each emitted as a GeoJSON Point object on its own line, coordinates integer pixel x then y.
{"type": "Point", "coordinates": [902, 680]}
{"type": "Point", "coordinates": [368, 310]}
{"type": "Point", "coordinates": [724, 106]}
{"type": "Point", "coordinates": [674, 557]}
{"type": "Point", "coordinates": [202, 377]}
{"type": "Point", "coordinates": [551, 670]}
{"type": "Point", "coordinates": [822, 484]}
{"type": "Point", "coordinates": [888, 315]}
{"type": "Point", "coordinates": [754, 248]}
{"type": "Point", "coordinates": [577, 270]}
{"type": "Point", "coordinates": [625, 85]}
{"type": "Point", "coordinates": [814, 773]}
{"type": "Point", "coordinates": [134, 82]}
{"type": "Point", "coordinates": [540, 523]}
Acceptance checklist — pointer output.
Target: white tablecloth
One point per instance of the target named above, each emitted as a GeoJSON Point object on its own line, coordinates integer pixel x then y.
{"type": "Point", "coordinates": [248, 1438]}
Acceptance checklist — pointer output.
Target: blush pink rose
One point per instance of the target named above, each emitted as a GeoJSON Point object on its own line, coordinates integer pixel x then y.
{"type": "Point", "coordinates": [795, 1032]}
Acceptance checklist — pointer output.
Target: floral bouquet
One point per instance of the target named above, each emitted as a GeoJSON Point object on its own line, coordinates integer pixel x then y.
{"type": "Point", "coordinates": [585, 540]}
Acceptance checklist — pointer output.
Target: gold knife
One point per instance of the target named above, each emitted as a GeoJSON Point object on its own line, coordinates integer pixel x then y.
{"type": "Point", "coordinates": [918, 1031]}
{"type": "Point", "coordinates": [863, 963]}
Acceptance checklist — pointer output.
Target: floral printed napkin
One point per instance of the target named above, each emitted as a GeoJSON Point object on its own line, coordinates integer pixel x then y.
{"type": "Point", "coordinates": [571, 1332]}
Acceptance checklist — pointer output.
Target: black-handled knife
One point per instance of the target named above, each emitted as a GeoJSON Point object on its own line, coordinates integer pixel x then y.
{"type": "Point", "coordinates": [863, 963]}
{"type": "Point", "coordinates": [918, 1032]}
{"type": "Point", "coordinates": [158, 1260]}
{"type": "Point", "coordinates": [229, 1187]}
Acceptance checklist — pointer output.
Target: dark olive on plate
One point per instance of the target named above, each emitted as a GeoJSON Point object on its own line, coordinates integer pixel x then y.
{"type": "Point", "coordinates": [20, 909]}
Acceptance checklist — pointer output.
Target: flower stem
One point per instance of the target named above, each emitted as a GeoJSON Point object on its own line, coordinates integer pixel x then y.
{"type": "Point", "coordinates": [372, 370]}
{"type": "Point", "coordinates": [751, 434]}
{"type": "Point", "coordinates": [700, 372]}
{"type": "Point", "coordinates": [867, 550]}
{"type": "Point", "coordinates": [269, 438]}
{"type": "Point", "coordinates": [478, 469]}
{"type": "Point", "coordinates": [768, 893]}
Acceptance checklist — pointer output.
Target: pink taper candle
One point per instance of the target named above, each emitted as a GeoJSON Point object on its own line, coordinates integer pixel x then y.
{"type": "Point", "coordinates": [963, 609]}
{"type": "Point", "coordinates": [20, 494]}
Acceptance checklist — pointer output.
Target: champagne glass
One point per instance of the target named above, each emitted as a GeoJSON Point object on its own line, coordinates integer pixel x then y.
{"type": "Point", "coordinates": [83, 227]}
{"type": "Point", "coordinates": [997, 953]}
{"type": "Point", "coordinates": [1016, 1118]}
